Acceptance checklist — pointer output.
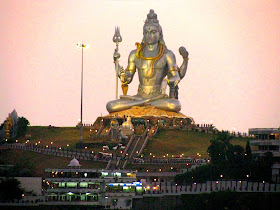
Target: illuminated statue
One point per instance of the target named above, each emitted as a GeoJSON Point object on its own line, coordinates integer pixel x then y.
{"type": "Point", "coordinates": [127, 127]}
{"type": "Point", "coordinates": [8, 126]}
{"type": "Point", "coordinates": [156, 66]}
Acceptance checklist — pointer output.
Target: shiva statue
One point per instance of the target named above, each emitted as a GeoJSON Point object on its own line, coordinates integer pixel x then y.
{"type": "Point", "coordinates": [156, 66]}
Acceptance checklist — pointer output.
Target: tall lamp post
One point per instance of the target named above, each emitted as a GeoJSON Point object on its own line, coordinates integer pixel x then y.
{"type": "Point", "coordinates": [82, 46]}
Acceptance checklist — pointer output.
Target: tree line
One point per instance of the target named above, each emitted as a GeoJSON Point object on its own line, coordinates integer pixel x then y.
{"type": "Point", "coordinates": [229, 162]}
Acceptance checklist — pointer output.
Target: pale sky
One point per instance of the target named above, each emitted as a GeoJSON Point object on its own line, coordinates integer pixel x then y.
{"type": "Point", "coordinates": [233, 73]}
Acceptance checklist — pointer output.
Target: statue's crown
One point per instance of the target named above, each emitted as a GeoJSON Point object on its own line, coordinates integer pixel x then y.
{"type": "Point", "coordinates": [151, 17]}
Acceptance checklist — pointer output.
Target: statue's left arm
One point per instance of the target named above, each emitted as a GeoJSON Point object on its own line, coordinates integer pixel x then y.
{"type": "Point", "coordinates": [183, 68]}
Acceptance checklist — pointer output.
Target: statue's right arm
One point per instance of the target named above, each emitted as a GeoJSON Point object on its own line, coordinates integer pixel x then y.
{"type": "Point", "coordinates": [127, 75]}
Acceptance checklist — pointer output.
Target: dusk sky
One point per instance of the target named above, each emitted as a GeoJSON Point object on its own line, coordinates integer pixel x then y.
{"type": "Point", "coordinates": [233, 76]}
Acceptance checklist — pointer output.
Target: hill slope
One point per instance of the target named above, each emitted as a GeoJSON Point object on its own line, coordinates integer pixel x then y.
{"type": "Point", "coordinates": [189, 143]}
{"type": "Point", "coordinates": [171, 142]}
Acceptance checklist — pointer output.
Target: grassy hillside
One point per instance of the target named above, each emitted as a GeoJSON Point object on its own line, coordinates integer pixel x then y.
{"type": "Point", "coordinates": [189, 143]}
{"type": "Point", "coordinates": [39, 162]}
{"type": "Point", "coordinates": [60, 136]}
{"type": "Point", "coordinates": [171, 142]}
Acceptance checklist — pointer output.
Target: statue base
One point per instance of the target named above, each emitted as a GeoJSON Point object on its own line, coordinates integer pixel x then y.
{"type": "Point", "coordinates": [149, 114]}
{"type": "Point", "coordinates": [147, 111]}
{"type": "Point", "coordinates": [141, 118]}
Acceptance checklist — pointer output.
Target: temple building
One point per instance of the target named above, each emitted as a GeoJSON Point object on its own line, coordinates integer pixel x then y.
{"type": "Point", "coordinates": [267, 140]}
{"type": "Point", "coordinates": [76, 186]}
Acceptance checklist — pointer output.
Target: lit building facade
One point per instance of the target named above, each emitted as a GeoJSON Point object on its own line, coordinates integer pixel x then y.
{"type": "Point", "coordinates": [76, 186]}
{"type": "Point", "coordinates": [267, 140]}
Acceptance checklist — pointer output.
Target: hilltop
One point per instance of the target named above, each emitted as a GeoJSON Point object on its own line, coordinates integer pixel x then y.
{"type": "Point", "coordinates": [172, 142]}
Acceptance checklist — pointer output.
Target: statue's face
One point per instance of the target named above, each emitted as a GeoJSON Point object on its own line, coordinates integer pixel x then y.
{"type": "Point", "coordinates": [151, 34]}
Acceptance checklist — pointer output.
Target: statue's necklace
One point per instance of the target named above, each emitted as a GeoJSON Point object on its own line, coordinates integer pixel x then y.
{"type": "Point", "coordinates": [139, 54]}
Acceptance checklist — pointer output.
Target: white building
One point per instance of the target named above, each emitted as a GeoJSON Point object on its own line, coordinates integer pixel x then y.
{"type": "Point", "coordinates": [267, 140]}
{"type": "Point", "coordinates": [76, 186]}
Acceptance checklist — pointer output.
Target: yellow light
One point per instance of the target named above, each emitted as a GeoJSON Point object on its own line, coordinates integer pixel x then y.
{"type": "Point", "coordinates": [148, 187]}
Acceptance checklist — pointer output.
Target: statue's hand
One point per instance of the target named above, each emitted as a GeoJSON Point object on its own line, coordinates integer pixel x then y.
{"type": "Point", "coordinates": [121, 72]}
{"type": "Point", "coordinates": [173, 82]}
{"type": "Point", "coordinates": [183, 52]}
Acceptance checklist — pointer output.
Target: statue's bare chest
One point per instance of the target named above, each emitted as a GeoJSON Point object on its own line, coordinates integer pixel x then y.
{"type": "Point", "coordinates": [151, 72]}
{"type": "Point", "coordinates": [145, 65]}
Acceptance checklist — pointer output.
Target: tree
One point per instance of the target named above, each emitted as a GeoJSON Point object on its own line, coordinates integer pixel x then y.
{"type": "Point", "coordinates": [10, 189]}
{"type": "Point", "coordinates": [22, 126]}
{"type": "Point", "coordinates": [261, 169]}
{"type": "Point", "coordinates": [230, 161]}
{"type": "Point", "coordinates": [248, 150]}
{"type": "Point", "coordinates": [219, 146]}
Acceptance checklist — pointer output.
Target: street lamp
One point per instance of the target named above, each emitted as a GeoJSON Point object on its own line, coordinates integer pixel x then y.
{"type": "Point", "coordinates": [82, 46]}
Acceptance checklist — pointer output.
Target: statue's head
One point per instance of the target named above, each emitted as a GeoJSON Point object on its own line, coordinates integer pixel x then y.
{"type": "Point", "coordinates": [153, 29]}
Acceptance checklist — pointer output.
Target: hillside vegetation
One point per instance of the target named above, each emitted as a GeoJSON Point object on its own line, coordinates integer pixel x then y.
{"type": "Point", "coordinates": [36, 163]}
{"type": "Point", "coordinates": [190, 143]}
{"type": "Point", "coordinates": [60, 136]}
{"type": "Point", "coordinates": [172, 142]}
